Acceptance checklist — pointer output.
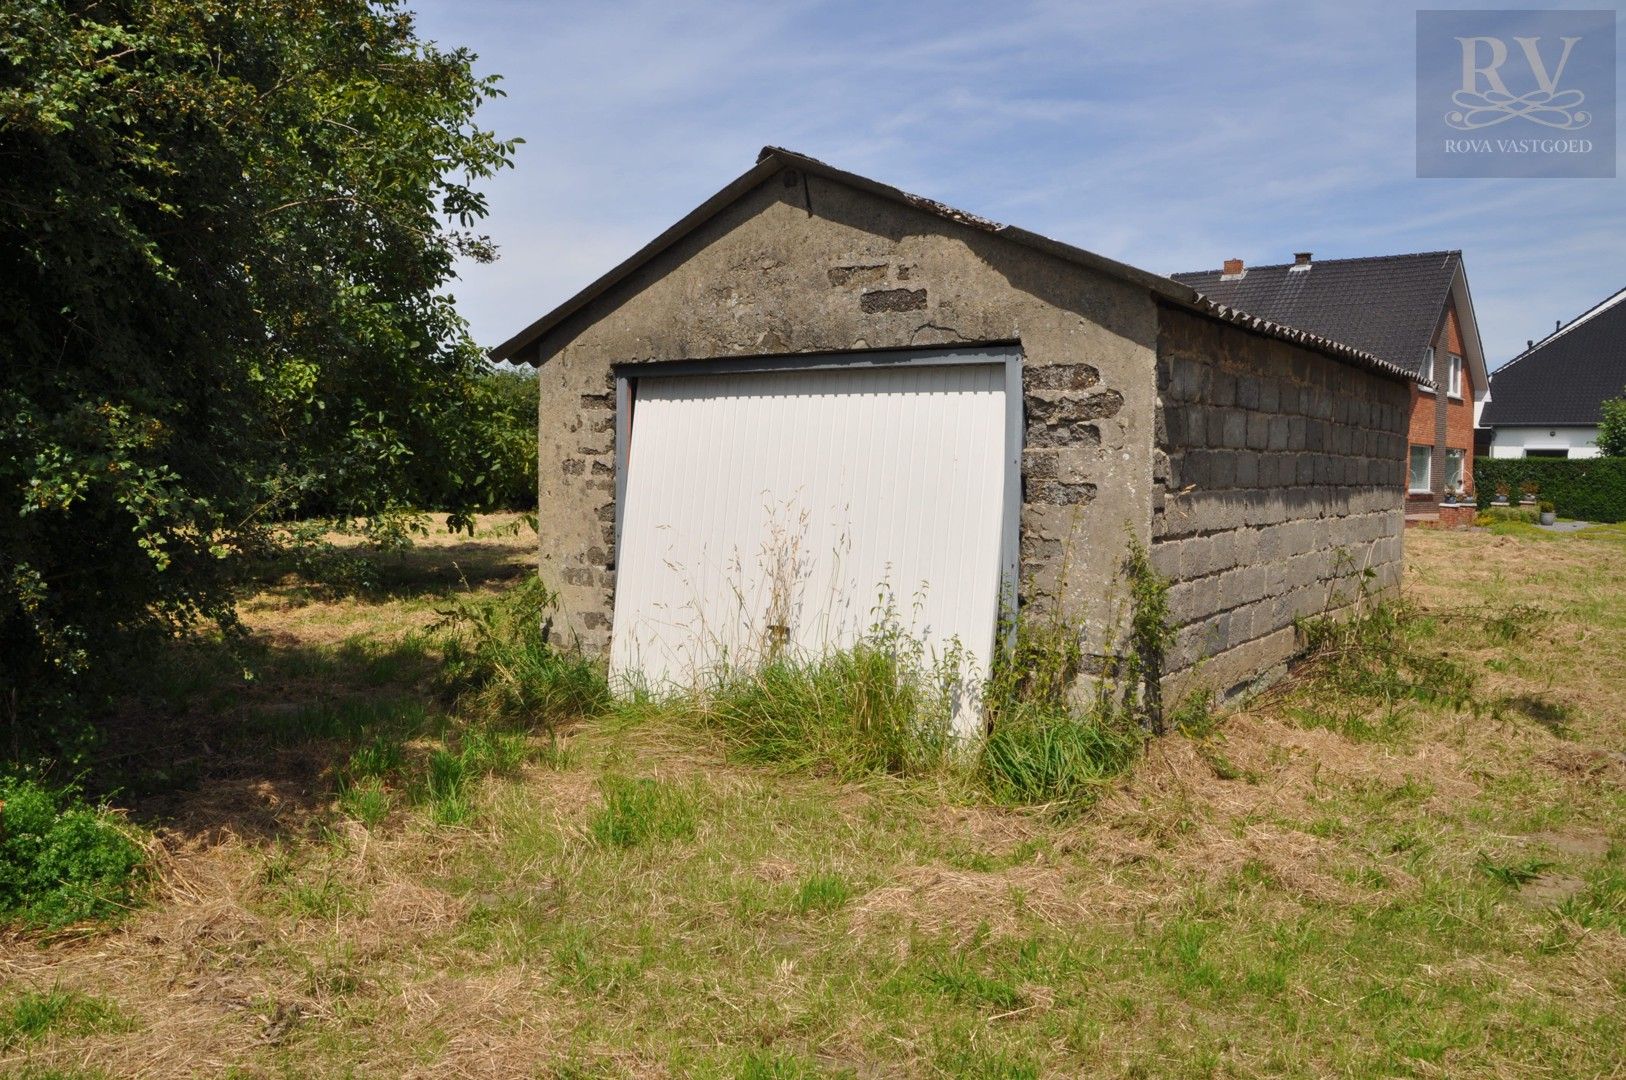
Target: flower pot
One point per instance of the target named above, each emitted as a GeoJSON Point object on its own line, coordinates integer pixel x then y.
{"type": "Point", "coordinates": [1548, 517]}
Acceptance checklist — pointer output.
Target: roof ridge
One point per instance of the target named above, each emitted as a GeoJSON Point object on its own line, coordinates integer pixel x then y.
{"type": "Point", "coordinates": [773, 159]}
{"type": "Point", "coordinates": [1322, 262]}
{"type": "Point", "coordinates": [1596, 309]}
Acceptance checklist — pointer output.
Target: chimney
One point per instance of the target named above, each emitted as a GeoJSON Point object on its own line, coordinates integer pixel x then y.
{"type": "Point", "coordinates": [1233, 268]}
{"type": "Point", "coordinates": [1301, 258]}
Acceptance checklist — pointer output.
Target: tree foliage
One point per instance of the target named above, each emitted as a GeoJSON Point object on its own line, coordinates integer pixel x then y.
{"type": "Point", "coordinates": [226, 228]}
{"type": "Point", "coordinates": [1612, 428]}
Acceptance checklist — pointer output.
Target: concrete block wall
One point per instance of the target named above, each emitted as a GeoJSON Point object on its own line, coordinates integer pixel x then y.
{"type": "Point", "coordinates": [1279, 476]}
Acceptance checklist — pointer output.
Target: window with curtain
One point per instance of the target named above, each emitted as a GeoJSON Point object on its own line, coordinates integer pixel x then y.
{"type": "Point", "coordinates": [1421, 457]}
{"type": "Point", "coordinates": [1453, 469]}
{"type": "Point", "coordinates": [1456, 376]}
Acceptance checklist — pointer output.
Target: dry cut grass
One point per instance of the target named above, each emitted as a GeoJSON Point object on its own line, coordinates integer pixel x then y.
{"type": "Point", "coordinates": [1316, 887]}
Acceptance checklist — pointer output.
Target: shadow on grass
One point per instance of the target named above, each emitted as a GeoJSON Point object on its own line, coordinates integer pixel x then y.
{"type": "Point", "coordinates": [251, 738]}
{"type": "Point", "coordinates": [364, 574]}
{"type": "Point", "coordinates": [1555, 716]}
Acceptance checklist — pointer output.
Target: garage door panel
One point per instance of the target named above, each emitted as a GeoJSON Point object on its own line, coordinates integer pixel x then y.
{"type": "Point", "coordinates": [799, 497]}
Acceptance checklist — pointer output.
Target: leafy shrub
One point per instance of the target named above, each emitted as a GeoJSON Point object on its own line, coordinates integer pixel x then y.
{"type": "Point", "coordinates": [507, 416]}
{"type": "Point", "coordinates": [242, 337]}
{"type": "Point", "coordinates": [1547, 506]}
{"type": "Point", "coordinates": [1612, 427]}
{"type": "Point", "coordinates": [1591, 489]}
{"type": "Point", "coordinates": [62, 860]}
{"type": "Point", "coordinates": [500, 661]}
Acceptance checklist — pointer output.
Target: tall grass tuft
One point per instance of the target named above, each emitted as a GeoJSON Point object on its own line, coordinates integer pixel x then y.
{"type": "Point", "coordinates": [1039, 753]}
{"type": "Point", "coordinates": [873, 708]}
{"type": "Point", "coordinates": [501, 664]}
{"type": "Point", "coordinates": [1046, 744]}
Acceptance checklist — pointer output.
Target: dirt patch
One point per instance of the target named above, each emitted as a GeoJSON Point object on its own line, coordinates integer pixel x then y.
{"type": "Point", "coordinates": [1586, 763]}
{"type": "Point", "coordinates": [1550, 890]}
{"type": "Point", "coordinates": [1573, 842]}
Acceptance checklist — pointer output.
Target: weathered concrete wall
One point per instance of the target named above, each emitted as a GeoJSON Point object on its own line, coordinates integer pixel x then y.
{"type": "Point", "coordinates": [1281, 476]}
{"type": "Point", "coordinates": [804, 264]}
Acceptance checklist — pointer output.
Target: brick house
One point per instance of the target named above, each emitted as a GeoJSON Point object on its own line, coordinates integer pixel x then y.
{"type": "Point", "coordinates": [1414, 311]}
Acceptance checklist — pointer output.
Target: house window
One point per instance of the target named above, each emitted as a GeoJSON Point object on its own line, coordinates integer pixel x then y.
{"type": "Point", "coordinates": [1422, 457]}
{"type": "Point", "coordinates": [1547, 453]}
{"type": "Point", "coordinates": [1453, 470]}
{"type": "Point", "coordinates": [1428, 370]}
{"type": "Point", "coordinates": [1456, 376]}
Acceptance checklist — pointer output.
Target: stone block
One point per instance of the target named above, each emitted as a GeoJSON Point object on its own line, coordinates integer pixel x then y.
{"type": "Point", "coordinates": [1258, 431]}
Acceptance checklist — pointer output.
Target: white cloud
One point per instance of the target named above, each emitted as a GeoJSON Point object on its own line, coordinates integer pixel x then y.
{"type": "Point", "coordinates": [1171, 135]}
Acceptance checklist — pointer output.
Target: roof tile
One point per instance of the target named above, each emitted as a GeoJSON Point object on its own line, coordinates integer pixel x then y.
{"type": "Point", "coordinates": [1387, 305]}
{"type": "Point", "coordinates": [1565, 378]}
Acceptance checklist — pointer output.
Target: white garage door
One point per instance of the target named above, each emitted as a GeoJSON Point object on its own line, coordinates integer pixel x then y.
{"type": "Point", "coordinates": [794, 506]}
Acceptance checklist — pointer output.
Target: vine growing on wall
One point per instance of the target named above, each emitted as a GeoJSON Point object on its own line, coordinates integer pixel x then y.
{"type": "Point", "coordinates": [1133, 679]}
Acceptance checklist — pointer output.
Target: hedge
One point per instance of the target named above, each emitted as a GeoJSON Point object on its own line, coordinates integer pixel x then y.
{"type": "Point", "coordinates": [1591, 489]}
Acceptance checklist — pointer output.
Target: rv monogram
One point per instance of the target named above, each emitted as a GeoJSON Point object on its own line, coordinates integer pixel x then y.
{"type": "Point", "coordinates": [1546, 104]}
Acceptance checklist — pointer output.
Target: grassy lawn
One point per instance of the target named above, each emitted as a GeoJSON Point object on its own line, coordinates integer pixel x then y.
{"type": "Point", "coordinates": [1323, 884]}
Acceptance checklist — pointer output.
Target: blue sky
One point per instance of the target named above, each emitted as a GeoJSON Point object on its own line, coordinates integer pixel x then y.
{"type": "Point", "coordinates": [1168, 135]}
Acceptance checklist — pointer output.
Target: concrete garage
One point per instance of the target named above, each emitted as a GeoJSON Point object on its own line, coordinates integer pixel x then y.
{"type": "Point", "coordinates": [817, 397]}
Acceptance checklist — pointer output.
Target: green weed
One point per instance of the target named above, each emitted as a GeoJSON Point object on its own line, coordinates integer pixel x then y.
{"type": "Point", "coordinates": [762, 1065]}
{"type": "Point", "coordinates": [501, 664]}
{"type": "Point", "coordinates": [1381, 654]}
{"type": "Point", "coordinates": [868, 709]}
{"type": "Point", "coordinates": [366, 800]}
{"type": "Point", "coordinates": [640, 811]}
{"type": "Point", "coordinates": [822, 892]}
{"type": "Point", "coordinates": [62, 860]}
{"type": "Point", "coordinates": [1511, 875]}
{"type": "Point", "coordinates": [32, 1015]}
{"type": "Point", "coordinates": [1602, 904]}
{"type": "Point", "coordinates": [1041, 753]}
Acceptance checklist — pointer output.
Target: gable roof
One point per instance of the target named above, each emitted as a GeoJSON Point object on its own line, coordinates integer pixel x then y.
{"type": "Point", "coordinates": [525, 346]}
{"type": "Point", "coordinates": [1565, 377]}
{"type": "Point", "coordinates": [1387, 305]}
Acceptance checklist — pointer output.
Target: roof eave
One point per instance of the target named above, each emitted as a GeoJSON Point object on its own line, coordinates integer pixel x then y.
{"type": "Point", "coordinates": [516, 347]}
{"type": "Point", "coordinates": [1336, 349]}
{"type": "Point", "coordinates": [524, 346]}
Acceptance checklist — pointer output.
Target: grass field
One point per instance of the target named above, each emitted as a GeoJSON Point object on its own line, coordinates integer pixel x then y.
{"type": "Point", "coordinates": [1323, 884]}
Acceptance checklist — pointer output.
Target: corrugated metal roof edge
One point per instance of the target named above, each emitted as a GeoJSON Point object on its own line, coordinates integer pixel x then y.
{"type": "Point", "coordinates": [773, 158]}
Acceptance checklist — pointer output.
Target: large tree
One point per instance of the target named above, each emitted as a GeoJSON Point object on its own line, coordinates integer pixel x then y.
{"type": "Point", "coordinates": [226, 228]}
